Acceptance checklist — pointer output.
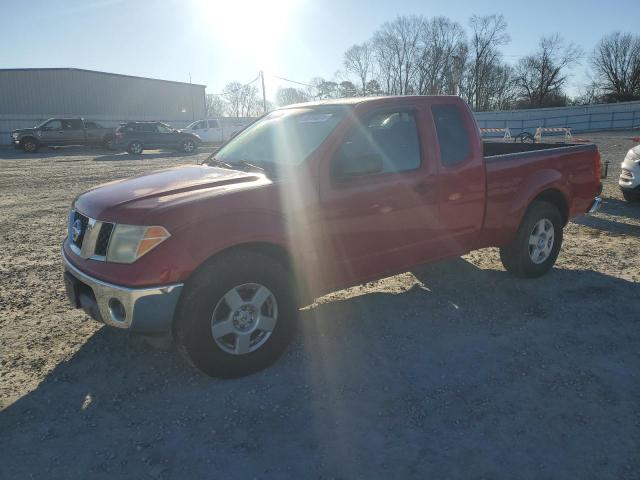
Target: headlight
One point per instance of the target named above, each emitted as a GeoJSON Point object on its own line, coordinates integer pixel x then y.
{"type": "Point", "coordinates": [129, 242]}
{"type": "Point", "coordinates": [15, 135]}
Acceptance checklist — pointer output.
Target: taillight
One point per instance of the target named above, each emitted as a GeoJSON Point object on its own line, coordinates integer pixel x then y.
{"type": "Point", "coordinates": [598, 165]}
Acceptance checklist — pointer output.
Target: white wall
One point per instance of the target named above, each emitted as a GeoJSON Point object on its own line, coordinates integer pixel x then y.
{"type": "Point", "coordinates": [611, 116]}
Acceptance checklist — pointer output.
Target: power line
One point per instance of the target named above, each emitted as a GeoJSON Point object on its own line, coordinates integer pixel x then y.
{"type": "Point", "coordinates": [238, 88]}
{"type": "Point", "coordinates": [294, 81]}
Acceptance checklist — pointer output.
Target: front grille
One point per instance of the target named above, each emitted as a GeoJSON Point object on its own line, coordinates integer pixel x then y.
{"type": "Point", "coordinates": [84, 221]}
{"type": "Point", "coordinates": [102, 243]}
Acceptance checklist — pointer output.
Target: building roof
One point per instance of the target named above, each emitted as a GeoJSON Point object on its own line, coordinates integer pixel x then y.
{"type": "Point", "coordinates": [98, 72]}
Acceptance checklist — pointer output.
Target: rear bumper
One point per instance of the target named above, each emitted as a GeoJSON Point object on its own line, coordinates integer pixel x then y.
{"type": "Point", "coordinates": [136, 309]}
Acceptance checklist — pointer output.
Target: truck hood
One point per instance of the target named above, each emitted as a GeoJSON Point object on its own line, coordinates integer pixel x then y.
{"type": "Point", "coordinates": [24, 130]}
{"type": "Point", "coordinates": [125, 200]}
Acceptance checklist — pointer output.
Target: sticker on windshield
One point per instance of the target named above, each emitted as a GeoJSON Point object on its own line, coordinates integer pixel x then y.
{"type": "Point", "coordinates": [315, 118]}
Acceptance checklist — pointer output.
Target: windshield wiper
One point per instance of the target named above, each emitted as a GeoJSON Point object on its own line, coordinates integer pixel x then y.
{"type": "Point", "coordinates": [219, 163]}
{"type": "Point", "coordinates": [246, 164]}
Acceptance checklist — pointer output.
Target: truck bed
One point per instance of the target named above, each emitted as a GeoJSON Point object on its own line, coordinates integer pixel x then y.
{"type": "Point", "coordinates": [496, 149]}
{"type": "Point", "coordinates": [516, 173]}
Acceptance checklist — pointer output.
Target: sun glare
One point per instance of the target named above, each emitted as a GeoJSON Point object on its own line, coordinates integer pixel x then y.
{"type": "Point", "coordinates": [251, 28]}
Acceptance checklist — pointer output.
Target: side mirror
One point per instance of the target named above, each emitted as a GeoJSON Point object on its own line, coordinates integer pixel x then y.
{"type": "Point", "coordinates": [366, 164]}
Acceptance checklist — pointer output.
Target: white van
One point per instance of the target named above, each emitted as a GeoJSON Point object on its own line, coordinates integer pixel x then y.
{"type": "Point", "coordinates": [213, 130]}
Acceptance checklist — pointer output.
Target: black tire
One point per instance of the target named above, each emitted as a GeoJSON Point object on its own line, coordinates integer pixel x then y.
{"type": "Point", "coordinates": [206, 290]}
{"type": "Point", "coordinates": [631, 195]}
{"type": "Point", "coordinates": [29, 145]}
{"type": "Point", "coordinates": [135, 148]}
{"type": "Point", "coordinates": [517, 256]}
{"type": "Point", "coordinates": [188, 146]}
{"type": "Point", "coordinates": [524, 137]}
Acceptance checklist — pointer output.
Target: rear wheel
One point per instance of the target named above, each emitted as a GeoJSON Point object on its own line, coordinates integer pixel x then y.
{"type": "Point", "coordinates": [537, 244]}
{"type": "Point", "coordinates": [135, 148]}
{"type": "Point", "coordinates": [237, 315]}
{"type": "Point", "coordinates": [29, 145]}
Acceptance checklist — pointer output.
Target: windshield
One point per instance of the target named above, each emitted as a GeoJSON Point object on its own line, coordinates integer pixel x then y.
{"type": "Point", "coordinates": [283, 137]}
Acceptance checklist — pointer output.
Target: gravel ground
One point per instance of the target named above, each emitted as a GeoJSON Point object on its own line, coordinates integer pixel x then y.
{"type": "Point", "coordinates": [457, 370]}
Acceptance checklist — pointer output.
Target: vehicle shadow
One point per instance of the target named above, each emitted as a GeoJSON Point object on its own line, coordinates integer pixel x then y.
{"type": "Point", "coordinates": [150, 155]}
{"type": "Point", "coordinates": [462, 373]}
{"type": "Point", "coordinates": [620, 211]}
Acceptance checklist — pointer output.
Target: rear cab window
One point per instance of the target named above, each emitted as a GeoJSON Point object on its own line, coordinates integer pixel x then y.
{"type": "Point", "coordinates": [453, 137]}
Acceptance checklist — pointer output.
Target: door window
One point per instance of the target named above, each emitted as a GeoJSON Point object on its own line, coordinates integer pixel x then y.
{"type": "Point", "coordinates": [53, 125]}
{"type": "Point", "coordinates": [213, 124]}
{"type": "Point", "coordinates": [162, 128]}
{"type": "Point", "coordinates": [386, 142]}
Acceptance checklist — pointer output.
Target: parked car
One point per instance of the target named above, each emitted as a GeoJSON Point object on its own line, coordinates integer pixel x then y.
{"type": "Point", "coordinates": [135, 137]}
{"type": "Point", "coordinates": [61, 132]}
{"type": "Point", "coordinates": [630, 174]}
{"type": "Point", "coordinates": [309, 199]}
{"type": "Point", "coordinates": [212, 130]}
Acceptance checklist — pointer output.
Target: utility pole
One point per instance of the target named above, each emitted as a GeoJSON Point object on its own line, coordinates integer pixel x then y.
{"type": "Point", "coordinates": [193, 114]}
{"type": "Point", "coordinates": [264, 96]}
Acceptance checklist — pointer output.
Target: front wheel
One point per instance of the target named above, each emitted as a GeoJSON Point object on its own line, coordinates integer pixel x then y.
{"type": "Point", "coordinates": [537, 244]}
{"type": "Point", "coordinates": [188, 146]}
{"type": "Point", "coordinates": [29, 145]}
{"type": "Point", "coordinates": [135, 148]}
{"type": "Point", "coordinates": [236, 315]}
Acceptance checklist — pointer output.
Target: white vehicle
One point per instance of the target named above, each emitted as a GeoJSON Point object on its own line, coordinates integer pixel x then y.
{"type": "Point", "coordinates": [213, 130]}
{"type": "Point", "coordinates": [630, 174]}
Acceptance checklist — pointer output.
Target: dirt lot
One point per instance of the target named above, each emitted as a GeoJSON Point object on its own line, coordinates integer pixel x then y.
{"type": "Point", "coordinates": [456, 371]}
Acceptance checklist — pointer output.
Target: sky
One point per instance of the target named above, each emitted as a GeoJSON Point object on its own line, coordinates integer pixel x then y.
{"type": "Point", "coordinates": [218, 41]}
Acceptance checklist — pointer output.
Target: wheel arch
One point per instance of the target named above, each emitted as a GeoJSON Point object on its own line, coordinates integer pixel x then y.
{"type": "Point", "coordinates": [556, 198]}
{"type": "Point", "coordinates": [269, 249]}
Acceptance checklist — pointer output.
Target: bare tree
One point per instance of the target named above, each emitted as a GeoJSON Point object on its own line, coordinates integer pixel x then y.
{"type": "Point", "coordinates": [358, 60]}
{"type": "Point", "coordinates": [488, 34]}
{"type": "Point", "coordinates": [215, 106]}
{"type": "Point", "coordinates": [243, 100]}
{"type": "Point", "coordinates": [289, 95]}
{"type": "Point", "coordinates": [396, 46]}
{"type": "Point", "coordinates": [541, 76]}
{"type": "Point", "coordinates": [616, 65]}
{"type": "Point", "coordinates": [443, 52]}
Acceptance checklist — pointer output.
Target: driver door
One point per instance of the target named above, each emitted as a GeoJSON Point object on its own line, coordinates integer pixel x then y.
{"type": "Point", "coordinates": [379, 203]}
{"type": "Point", "coordinates": [51, 133]}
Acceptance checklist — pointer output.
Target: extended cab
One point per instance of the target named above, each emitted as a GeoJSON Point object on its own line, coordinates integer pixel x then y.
{"type": "Point", "coordinates": [308, 199]}
{"type": "Point", "coordinates": [61, 132]}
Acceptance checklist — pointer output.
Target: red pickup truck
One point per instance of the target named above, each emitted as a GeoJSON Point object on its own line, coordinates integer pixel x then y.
{"type": "Point", "coordinates": [308, 199]}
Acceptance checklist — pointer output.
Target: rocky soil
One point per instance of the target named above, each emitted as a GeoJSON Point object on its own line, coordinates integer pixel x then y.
{"type": "Point", "coordinates": [457, 370]}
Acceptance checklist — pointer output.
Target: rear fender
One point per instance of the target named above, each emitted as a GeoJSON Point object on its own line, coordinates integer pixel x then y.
{"type": "Point", "coordinates": [532, 187]}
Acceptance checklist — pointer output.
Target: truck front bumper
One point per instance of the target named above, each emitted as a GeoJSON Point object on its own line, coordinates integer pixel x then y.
{"type": "Point", "coordinates": [148, 310]}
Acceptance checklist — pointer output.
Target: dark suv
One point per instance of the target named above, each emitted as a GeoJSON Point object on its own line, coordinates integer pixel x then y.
{"type": "Point", "coordinates": [134, 137]}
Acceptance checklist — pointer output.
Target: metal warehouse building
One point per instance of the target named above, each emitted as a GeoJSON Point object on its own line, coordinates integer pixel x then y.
{"type": "Point", "coordinates": [31, 95]}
